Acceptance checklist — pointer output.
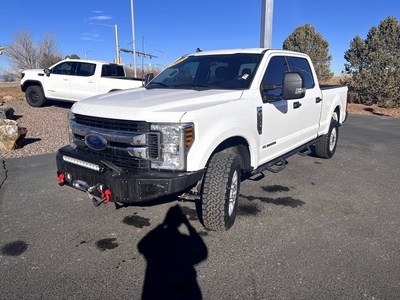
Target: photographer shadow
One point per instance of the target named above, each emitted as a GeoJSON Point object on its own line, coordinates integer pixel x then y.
{"type": "Point", "coordinates": [171, 257]}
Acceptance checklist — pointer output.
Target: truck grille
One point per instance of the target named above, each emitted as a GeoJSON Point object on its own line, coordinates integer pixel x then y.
{"type": "Point", "coordinates": [111, 124]}
{"type": "Point", "coordinates": [120, 136]}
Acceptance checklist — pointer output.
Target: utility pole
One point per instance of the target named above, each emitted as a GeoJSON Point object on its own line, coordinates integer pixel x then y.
{"type": "Point", "coordinates": [133, 40]}
{"type": "Point", "coordinates": [267, 10]}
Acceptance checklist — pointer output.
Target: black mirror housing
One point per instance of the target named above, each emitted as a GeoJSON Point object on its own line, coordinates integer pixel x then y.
{"type": "Point", "coordinates": [47, 72]}
{"type": "Point", "coordinates": [148, 78]}
{"type": "Point", "coordinates": [293, 86]}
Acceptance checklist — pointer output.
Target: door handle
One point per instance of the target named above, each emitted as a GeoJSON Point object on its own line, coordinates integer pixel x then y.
{"type": "Point", "coordinates": [318, 100]}
{"type": "Point", "coordinates": [296, 105]}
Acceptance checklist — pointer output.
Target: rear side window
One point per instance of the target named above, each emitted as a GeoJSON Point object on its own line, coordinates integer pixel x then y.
{"type": "Point", "coordinates": [302, 66]}
{"type": "Point", "coordinates": [85, 69]}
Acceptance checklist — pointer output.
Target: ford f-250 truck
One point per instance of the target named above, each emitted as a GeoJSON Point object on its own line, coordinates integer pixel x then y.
{"type": "Point", "coordinates": [197, 128]}
{"type": "Point", "coordinates": [73, 80]}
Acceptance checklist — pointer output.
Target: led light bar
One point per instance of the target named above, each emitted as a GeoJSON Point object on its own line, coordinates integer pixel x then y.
{"type": "Point", "coordinates": [82, 163]}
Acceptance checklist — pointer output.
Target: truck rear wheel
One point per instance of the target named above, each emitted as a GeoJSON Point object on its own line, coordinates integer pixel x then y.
{"type": "Point", "coordinates": [220, 192]}
{"type": "Point", "coordinates": [34, 96]}
{"type": "Point", "coordinates": [326, 146]}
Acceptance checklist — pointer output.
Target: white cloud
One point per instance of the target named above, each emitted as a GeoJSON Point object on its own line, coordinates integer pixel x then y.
{"type": "Point", "coordinates": [100, 18]}
{"type": "Point", "coordinates": [91, 37]}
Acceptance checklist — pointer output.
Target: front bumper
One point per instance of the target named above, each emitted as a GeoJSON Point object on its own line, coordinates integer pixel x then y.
{"type": "Point", "coordinates": [123, 186]}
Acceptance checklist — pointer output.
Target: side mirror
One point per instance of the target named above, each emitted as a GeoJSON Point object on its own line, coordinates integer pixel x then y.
{"type": "Point", "coordinates": [47, 72]}
{"type": "Point", "coordinates": [293, 86]}
{"type": "Point", "coordinates": [148, 78]}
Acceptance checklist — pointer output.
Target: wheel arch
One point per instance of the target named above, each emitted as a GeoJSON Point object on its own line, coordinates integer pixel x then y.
{"type": "Point", "coordinates": [238, 146]}
{"type": "Point", "coordinates": [29, 83]}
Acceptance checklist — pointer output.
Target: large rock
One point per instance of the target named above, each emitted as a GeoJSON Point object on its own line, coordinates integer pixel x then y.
{"type": "Point", "coordinates": [6, 113]}
{"type": "Point", "coordinates": [11, 136]}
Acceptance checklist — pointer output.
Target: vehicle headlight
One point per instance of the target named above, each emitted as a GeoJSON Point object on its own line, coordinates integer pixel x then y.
{"type": "Point", "coordinates": [176, 140]}
{"type": "Point", "coordinates": [71, 119]}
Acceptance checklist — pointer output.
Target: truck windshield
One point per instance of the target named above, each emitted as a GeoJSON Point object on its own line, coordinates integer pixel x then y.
{"type": "Point", "coordinates": [225, 71]}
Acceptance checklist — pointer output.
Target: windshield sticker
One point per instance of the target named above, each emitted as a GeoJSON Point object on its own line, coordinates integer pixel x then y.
{"type": "Point", "coordinates": [178, 61]}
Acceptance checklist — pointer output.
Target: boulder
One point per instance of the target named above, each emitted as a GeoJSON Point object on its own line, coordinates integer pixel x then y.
{"type": "Point", "coordinates": [6, 113]}
{"type": "Point", "coordinates": [11, 136]}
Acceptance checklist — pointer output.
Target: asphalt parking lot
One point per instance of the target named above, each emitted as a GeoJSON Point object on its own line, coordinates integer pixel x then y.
{"type": "Point", "coordinates": [320, 229]}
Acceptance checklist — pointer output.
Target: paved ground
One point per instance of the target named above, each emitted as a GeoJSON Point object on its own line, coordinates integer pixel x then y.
{"type": "Point", "coordinates": [321, 229]}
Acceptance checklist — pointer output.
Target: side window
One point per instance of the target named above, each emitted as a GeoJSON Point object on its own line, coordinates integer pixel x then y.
{"type": "Point", "coordinates": [85, 69]}
{"type": "Point", "coordinates": [273, 76]}
{"type": "Point", "coordinates": [302, 66]}
{"type": "Point", "coordinates": [65, 68]}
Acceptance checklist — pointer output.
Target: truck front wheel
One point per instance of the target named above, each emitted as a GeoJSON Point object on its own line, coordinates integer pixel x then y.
{"type": "Point", "coordinates": [326, 146]}
{"type": "Point", "coordinates": [34, 96]}
{"type": "Point", "coordinates": [220, 192]}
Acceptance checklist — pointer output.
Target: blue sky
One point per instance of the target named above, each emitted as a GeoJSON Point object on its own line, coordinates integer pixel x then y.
{"type": "Point", "coordinates": [177, 27]}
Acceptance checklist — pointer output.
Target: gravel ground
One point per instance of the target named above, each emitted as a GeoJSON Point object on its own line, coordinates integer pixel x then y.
{"type": "Point", "coordinates": [47, 127]}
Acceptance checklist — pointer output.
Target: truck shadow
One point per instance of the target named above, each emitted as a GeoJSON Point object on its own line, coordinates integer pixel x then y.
{"type": "Point", "coordinates": [171, 257]}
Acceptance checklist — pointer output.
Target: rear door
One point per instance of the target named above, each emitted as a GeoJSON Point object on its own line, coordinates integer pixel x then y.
{"type": "Point", "coordinates": [311, 105]}
{"type": "Point", "coordinates": [83, 83]}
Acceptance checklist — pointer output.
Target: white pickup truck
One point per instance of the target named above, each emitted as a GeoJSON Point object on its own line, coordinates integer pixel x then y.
{"type": "Point", "coordinates": [73, 80]}
{"type": "Point", "coordinates": [199, 127]}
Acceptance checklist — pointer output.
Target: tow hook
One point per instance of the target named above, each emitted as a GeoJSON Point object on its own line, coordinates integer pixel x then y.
{"type": "Point", "coordinates": [61, 179]}
{"type": "Point", "coordinates": [92, 190]}
{"type": "Point", "coordinates": [104, 198]}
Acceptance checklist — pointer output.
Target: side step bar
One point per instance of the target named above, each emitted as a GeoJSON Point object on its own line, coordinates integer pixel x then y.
{"type": "Point", "coordinates": [278, 164]}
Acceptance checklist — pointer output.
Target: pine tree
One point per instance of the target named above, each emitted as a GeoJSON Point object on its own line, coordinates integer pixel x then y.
{"type": "Point", "coordinates": [374, 66]}
{"type": "Point", "coordinates": [305, 39]}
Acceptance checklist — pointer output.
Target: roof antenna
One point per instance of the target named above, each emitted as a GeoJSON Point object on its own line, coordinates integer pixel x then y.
{"type": "Point", "coordinates": [198, 49]}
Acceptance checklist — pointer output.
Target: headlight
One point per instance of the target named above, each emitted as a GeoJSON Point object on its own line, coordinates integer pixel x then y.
{"type": "Point", "coordinates": [176, 140]}
{"type": "Point", "coordinates": [71, 119]}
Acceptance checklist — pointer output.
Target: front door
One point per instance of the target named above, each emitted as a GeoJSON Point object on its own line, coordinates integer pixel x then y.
{"type": "Point", "coordinates": [58, 84]}
{"type": "Point", "coordinates": [280, 117]}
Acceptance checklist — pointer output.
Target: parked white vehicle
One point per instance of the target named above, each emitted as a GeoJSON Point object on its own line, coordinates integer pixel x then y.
{"type": "Point", "coordinates": [73, 80]}
{"type": "Point", "coordinates": [198, 127]}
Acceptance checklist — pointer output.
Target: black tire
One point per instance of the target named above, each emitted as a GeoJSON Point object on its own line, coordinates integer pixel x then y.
{"type": "Point", "coordinates": [220, 192]}
{"type": "Point", "coordinates": [34, 96]}
{"type": "Point", "coordinates": [326, 146]}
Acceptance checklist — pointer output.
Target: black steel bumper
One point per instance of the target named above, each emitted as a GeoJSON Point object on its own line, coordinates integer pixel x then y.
{"type": "Point", "coordinates": [122, 185]}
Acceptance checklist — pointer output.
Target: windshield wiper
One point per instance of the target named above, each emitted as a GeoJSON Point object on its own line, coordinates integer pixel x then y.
{"type": "Point", "coordinates": [153, 85]}
{"type": "Point", "coordinates": [193, 86]}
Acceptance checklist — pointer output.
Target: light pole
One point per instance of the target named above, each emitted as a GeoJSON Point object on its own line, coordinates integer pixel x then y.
{"type": "Point", "coordinates": [87, 53]}
{"type": "Point", "coordinates": [267, 11]}
{"type": "Point", "coordinates": [133, 40]}
{"type": "Point", "coordinates": [165, 57]}
{"type": "Point", "coordinates": [116, 37]}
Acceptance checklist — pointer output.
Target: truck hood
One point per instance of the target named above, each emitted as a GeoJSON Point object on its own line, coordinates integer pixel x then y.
{"type": "Point", "coordinates": [33, 71]}
{"type": "Point", "coordinates": [167, 105]}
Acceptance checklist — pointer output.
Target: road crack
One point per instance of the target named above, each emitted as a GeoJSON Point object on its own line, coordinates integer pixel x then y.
{"type": "Point", "coordinates": [5, 173]}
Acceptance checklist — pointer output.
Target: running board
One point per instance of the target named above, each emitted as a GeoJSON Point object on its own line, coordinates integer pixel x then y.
{"type": "Point", "coordinates": [304, 152]}
{"type": "Point", "coordinates": [278, 164]}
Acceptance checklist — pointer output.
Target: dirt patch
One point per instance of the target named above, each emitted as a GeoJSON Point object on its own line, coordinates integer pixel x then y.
{"type": "Point", "coordinates": [11, 91]}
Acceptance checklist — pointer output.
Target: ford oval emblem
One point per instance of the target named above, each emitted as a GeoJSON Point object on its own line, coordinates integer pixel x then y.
{"type": "Point", "coordinates": [95, 141]}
